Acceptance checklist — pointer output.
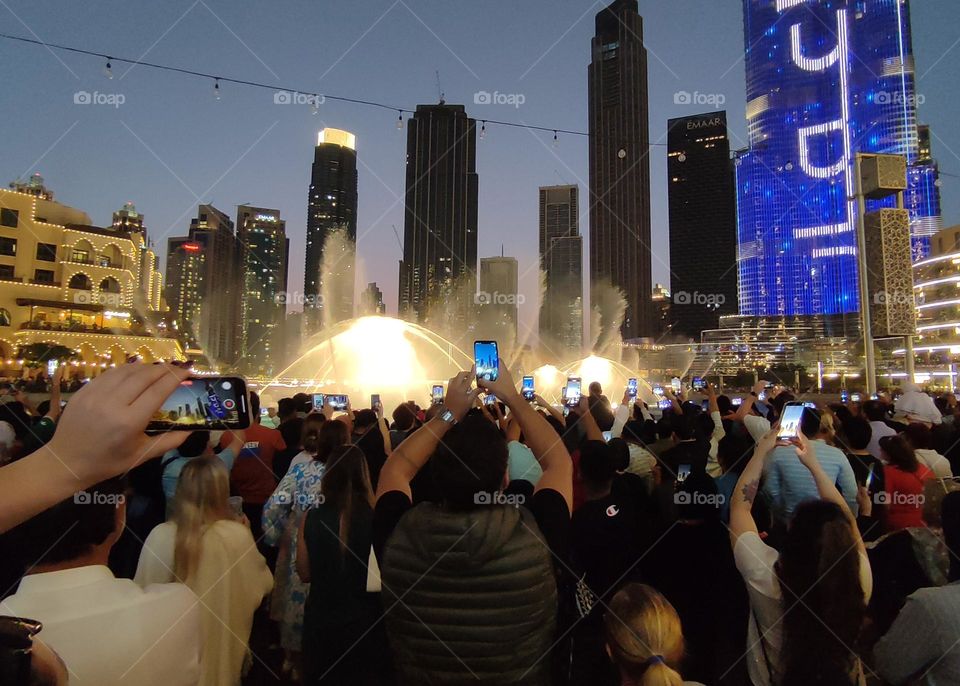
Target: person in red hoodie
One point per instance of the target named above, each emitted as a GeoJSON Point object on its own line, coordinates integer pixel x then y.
{"type": "Point", "coordinates": [904, 478]}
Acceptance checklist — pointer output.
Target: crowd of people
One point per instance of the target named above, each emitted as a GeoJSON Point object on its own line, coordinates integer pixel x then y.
{"type": "Point", "coordinates": [515, 542]}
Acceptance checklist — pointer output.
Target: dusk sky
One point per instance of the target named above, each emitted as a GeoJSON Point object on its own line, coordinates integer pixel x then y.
{"type": "Point", "coordinates": [171, 145]}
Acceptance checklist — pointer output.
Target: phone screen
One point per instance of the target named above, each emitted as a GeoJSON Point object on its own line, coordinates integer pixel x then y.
{"type": "Point", "coordinates": [572, 395]}
{"type": "Point", "coordinates": [736, 402]}
{"type": "Point", "coordinates": [844, 397]}
{"type": "Point", "coordinates": [338, 402]}
{"type": "Point", "coordinates": [317, 402]}
{"type": "Point", "coordinates": [526, 388]}
{"type": "Point", "coordinates": [375, 401]}
{"type": "Point", "coordinates": [487, 360]}
{"type": "Point", "coordinates": [665, 404]}
{"type": "Point", "coordinates": [790, 421]}
{"type": "Point", "coordinates": [658, 391]}
{"type": "Point", "coordinates": [52, 367]}
{"type": "Point", "coordinates": [869, 481]}
{"type": "Point", "coordinates": [607, 435]}
{"type": "Point", "coordinates": [217, 402]}
{"type": "Point", "coordinates": [632, 388]}
{"type": "Point", "coordinates": [675, 384]}
{"type": "Point", "coordinates": [437, 394]}
{"type": "Point", "coordinates": [683, 471]}
{"type": "Point", "coordinates": [855, 397]}
{"type": "Point", "coordinates": [698, 384]}
{"type": "Point", "coordinates": [810, 405]}
{"type": "Point", "coordinates": [489, 399]}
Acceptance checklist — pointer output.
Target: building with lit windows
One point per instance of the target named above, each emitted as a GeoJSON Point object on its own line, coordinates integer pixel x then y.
{"type": "Point", "coordinates": [331, 209]}
{"type": "Point", "coordinates": [204, 284]}
{"type": "Point", "coordinates": [497, 299]}
{"type": "Point", "coordinates": [264, 247]}
{"type": "Point", "coordinates": [937, 292]}
{"type": "Point", "coordinates": [65, 282]}
{"type": "Point", "coordinates": [825, 80]}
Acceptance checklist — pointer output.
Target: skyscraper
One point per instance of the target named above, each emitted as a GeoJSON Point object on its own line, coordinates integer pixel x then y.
{"type": "Point", "coordinates": [703, 223]}
{"type": "Point", "coordinates": [128, 219]}
{"type": "Point", "coordinates": [262, 241]}
{"type": "Point", "coordinates": [203, 285]}
{"type": "Point", "coordinates": [440, 221]}
{"type": "Point", "coordinates": [825, 80]}
{"type": "Point", "coordinates": [371, 300]}
{"type": "Point", "coordinates": [619, 164]}
{"type": "Point", "coordinates": [331, 230]}
{"type": "Point", "coordinates": [561, 262]}
{"type": "Point", "coordinates": [498, 299]}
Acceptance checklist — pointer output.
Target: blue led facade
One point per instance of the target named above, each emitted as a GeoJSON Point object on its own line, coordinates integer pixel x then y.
{"type": "Point", "coordinates": [825, 79]}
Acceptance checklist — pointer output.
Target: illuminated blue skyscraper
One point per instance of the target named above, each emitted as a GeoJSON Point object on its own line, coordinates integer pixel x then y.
{"type": "Point", "coordinates": [825, 79]}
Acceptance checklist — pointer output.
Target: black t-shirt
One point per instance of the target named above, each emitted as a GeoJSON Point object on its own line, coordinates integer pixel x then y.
{"type": "Point", "coordinates": [548, 507]}
{"type": "Point", "coordinates": [692, 453]}
{"type": "Point", "coordinates": [608, 538]}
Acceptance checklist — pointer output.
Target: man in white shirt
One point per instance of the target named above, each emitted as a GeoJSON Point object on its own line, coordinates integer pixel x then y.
{"type": "Point", "coordinates": [875, 412]}
{"type": "Point", "coordinates": [106, 630]}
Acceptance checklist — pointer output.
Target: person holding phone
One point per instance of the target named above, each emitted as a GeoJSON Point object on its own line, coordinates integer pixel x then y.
{"type": "Point", "coordinates": [197, 444]}
{"type": "Point", "coordinates": [510, 545]}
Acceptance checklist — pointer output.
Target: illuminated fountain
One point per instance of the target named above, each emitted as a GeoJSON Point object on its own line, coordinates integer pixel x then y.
{"type": "Point", "coordinates": [611, 375]}
{"type": "Point", "coordinates": [360, 357]}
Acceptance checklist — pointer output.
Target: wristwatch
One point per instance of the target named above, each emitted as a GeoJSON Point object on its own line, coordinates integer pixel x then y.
{"type": "Point", "coordinates": [446, 415]}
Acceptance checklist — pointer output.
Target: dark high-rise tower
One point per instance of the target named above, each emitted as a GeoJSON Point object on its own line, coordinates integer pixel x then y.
{"type": "Point", "coordinates": [331, 210]}
{"type": "Point", "coordinates": [703, 223]}
{"type": "Point", "coordinates": [619, 163]}
{"type": "Point", "coordinates": [561, 261]}
{"type": "Point", "coordinates": [262, 240]}
{"type": "Point", "coordinates": [440, 222]}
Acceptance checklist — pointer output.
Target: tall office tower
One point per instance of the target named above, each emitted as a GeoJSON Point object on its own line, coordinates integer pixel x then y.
{"type": "Point", "coordinates": [262, 241]}
{"type": "Point", "coordinates": [371, 300]}
{"type": "Point", "coordinates": [703, 223]}
{"type": "Point", "coordinates": [128, 219]}
{"type": "Point", "coordinates": [620, 164]}
{"type": "Point", "coordinates": [439, 266]}
{"type": "Point", "coordinates": [825, 80]}
{"type": "Point", "coordinates": [331, 231]}
{"type": "Point", "coordinates": [497, 299]}
{"type": "Point", "coordinates": [561, 263]}
{"type": "Point", "coordinates": [203, 285]}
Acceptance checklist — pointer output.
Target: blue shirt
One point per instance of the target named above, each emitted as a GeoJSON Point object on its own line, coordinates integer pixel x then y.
{"type": "Point", "coordinates": [787, 482]}
{"type": "Point", "coordinates": [725, 486]}
{"type": "Point", "coordinates": [175, 462]}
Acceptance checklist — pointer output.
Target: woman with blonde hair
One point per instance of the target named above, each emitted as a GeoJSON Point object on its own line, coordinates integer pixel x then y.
{"type": "Point", "coordinates": [644, 637]}
{"type": "Point", "coordinates": [209, 547]}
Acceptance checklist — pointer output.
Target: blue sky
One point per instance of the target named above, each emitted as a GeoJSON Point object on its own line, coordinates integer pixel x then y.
{"type": "Point", "coordinates": [171, 145]}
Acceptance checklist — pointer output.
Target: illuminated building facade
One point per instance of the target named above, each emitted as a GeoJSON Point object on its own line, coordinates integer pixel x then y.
{"type": "Point", "coordinates": [937, 292]}
{"type": "Point", "coordinates": [331, 208]}
{"type": "Point", "coordinates": [66, 282]}
{"type": "Point", "coordinates": [204, 275]}
{"type": "Point", "coordinates": [498, 300]}
{"type": "Point", "coordinates": [620, 163]}
{"type": "Point", "coordinates": [561, 263]}
{"type": "Point", "coordinates": [439, 263]}
{"type": "Point", "coordinates": [264, 246]}
{"type": "Point", "coordinates": [825, 80]}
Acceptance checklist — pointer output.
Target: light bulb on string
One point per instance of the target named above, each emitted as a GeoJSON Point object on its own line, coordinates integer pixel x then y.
{"type": "Point", "coordinates": [483, 129]}
{"type": "Point", "coordinates": [216, 88]}
{"type": "Point", "coordinates": [556, 141]}
{"type": "Point", "coordinates": [108, 70]}
{"type": "Point", "coordinates": [400, 120]}
{"type": "Point", "coordinates": [315, 104]}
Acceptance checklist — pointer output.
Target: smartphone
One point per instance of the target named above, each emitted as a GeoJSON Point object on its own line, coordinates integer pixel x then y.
{"type": "Point", "coordinates": [874, 396]}
{"type": "Point", "coordinates": [436, 395]}
{"type": "Point", "coordinates": [844, 397]}
{"type": "Point", "coordinates": [52, 367]}
{"type": "Point", "coordinates": [487, 359]}
{"type": "Point", "coordinates": [810, 405]}
{"type": "Point", "coordinates": [607, 435]}
{"type": "Point", "coordinates": [632, 387]}
{"type": "Point", "coordinates": [869, 480]}
{"type": "Point", "coordinates": [338, 402]}
{"type": "Point", "coordinates": [490, 399]}
{"type": "Point", "coordinates": [705, 404]}
{"type": "Point", "coordinates": [658, 391]}
{"type": "Point", "coordinates": [855, 397]}
{"type": "Point", "coordinates": [736, 402]}
{"type": "Point", "coordinates": [375, 401]}
{"type": "Point", "coordinates": [572, 392]}
{"type": "Point", "coordinates": [526, 388]}
{"type": "Point", "coordinates": [675, 384]}
{"type": "Point", "coordinates": [263, 412]}
{"type": "Point", "coordinates": [213, 402]}
{"type": "Point", "coordinates": [761, 396]}
{"type": "Point", "coordinates": [769, 384]}
{"type": "Point", "coordinates": [790, 422]}
{"type": "Point", "coordinates": [665, 404]}
{"type": "Point", "coordinates": [683, 471]}
{"type": "Point", "coordinates": [317, 401]}
{"type": "Point", "coordinates": [698, 383]}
